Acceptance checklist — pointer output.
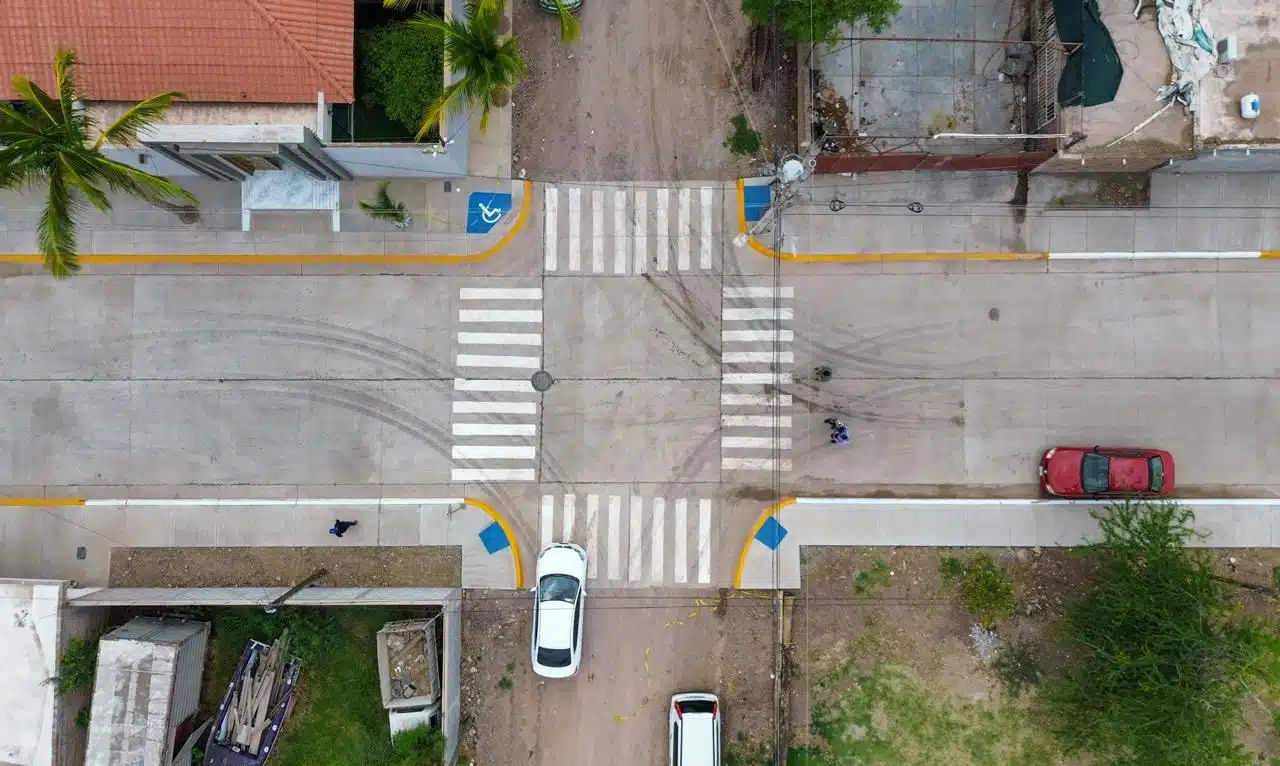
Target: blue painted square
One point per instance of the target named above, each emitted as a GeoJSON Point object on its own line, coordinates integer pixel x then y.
{"type": "Point", "coordinates": [485, 209]}
{"type": "Point", "coordinates": [771, 533]}
{"type": "Point", "coordinates": [755, 200]}
{"type": "Point", "coordinates": [494, 538]}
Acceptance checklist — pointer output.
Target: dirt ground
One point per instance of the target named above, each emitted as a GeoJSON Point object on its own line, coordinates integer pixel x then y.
{"type": "Point", "coordinates": [640, 647]}
{"type": "Point", "coordinates": [370, 567]}
{"type": "Point", "coordinates": [898, 645]}
{"type": "Point", "coordinates": [646, 94]}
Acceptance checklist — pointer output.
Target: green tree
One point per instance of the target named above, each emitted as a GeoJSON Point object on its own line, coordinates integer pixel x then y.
{"type": "Point", "coordinates": [805, 20]}
{"type": "Point", "coordinates": [1162, 658]}
{"type": "Point", "coordinates": [401, 70]}
{"type": "Point", "coordinates": [52, 140]}
{"type": "Point", "coordinates": [489, 62]}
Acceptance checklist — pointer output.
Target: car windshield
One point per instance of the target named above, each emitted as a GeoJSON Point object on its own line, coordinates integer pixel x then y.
{"type": "Point", "coordinates": [1157, 474]}
{"type": "Point", "coordinates": [558, 588]}
{"type": "Point", "coordinates": [1095, 473]}
{"type": "Point", "coordinates": [553, 658]}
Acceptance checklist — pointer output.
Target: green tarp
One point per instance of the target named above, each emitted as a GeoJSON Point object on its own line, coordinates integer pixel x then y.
{"type": "Point", "coordinates": [1092, 73]}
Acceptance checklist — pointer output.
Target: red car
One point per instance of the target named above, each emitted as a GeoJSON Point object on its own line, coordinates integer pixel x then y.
{"type": "Point", "coordinates": [1084, 472]}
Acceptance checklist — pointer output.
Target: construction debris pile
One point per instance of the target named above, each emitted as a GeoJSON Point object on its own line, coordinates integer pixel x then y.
{"type": "Point", "coordinates": [255, 706]}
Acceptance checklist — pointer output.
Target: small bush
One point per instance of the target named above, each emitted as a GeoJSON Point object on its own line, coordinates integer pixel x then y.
{"type": "Point", "coordinates": [987, 591]}
{"type": "Point", "coordinates": [951, 569]}
{"type": "Point", "coordinates": [868, 580]}
{"type": "Point", "coordinates": [505, 683]}
{"type": "Point", "coordinates": [743, 140]}
{"type": "Point", "coordinates": [418, 746]}
{"type": "Point", "coordinates": [1017, 668]}
{"type": "Point", "coordinates": [82, 718]}
{"type": "Point", "coordinates": [76, 667]}
{"type": "Point", "coordinates": [401, 69]}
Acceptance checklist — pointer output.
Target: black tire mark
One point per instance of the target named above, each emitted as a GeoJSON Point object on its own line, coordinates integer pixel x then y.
{"type": "Point", "coordinates": [394, 348]}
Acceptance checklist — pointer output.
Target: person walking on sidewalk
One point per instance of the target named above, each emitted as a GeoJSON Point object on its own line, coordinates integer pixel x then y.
{"type": "Point", "coordinates": [340, 527]}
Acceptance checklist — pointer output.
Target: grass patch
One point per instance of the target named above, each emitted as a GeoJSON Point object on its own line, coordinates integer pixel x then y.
{"type": "Point", "coordinates": [987, 591]}
{"type": "Point", "coordinates": [1017, 668]}
{"type": "Point", "coordinates": [867, 581]}
{"type": "Point", "coordinates": [891, 716]}
{"type": "Point", "coordinates": [743, 140]}
{"type": "Point", "coordinates": [338, 719]}
{"type": "Point", "coordinates": [741, 751]}
{"type": "Point", "coordinates": [951, 569]}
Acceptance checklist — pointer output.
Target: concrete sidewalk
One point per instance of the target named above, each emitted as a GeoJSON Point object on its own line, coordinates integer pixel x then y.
{"type": "Point", "coordinates": [980, 216]}
{"type": "Point", "coordinates": [770, 557]}
{"type": "Point", "coordinates": [40, 537]}
{"type": "Point", "coordinates": [135, 232]}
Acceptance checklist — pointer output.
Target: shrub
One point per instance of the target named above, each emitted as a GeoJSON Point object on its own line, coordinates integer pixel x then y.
{"type": "Point", "coordinates": [76, 667]}
{"type": "Point", "coordinates": [743, 140]}
{"type": "Point", "coordinates": [418, 746]}
{"type": "Point", "coordinates": [401, 70]}
{"type": "Point", "coordinates": [951, 569]}
{"type": "Point", "coordinates": [1017, 668]}
{"type": "Point", "coordinates": [868, 580]}
{"type": "Point", "coordinates": [987, 591]}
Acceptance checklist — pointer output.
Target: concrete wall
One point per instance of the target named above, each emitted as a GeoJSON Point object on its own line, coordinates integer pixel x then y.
{"type": "Point", "coordinates": [1264, 159]}
{"type": "Point", "coordinates": [69, 739]}
{"type": "Point", "coordinates": [401, 161]}
{"type": "Point", "coordinates": [451, 695]}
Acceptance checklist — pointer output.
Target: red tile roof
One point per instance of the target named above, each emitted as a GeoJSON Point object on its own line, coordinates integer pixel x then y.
{"type": "Point", "coordinates": [247, 51]}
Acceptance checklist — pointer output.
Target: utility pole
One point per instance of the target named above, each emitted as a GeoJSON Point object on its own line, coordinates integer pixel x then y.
{"type": "Point", "coordinates": [791, 171]}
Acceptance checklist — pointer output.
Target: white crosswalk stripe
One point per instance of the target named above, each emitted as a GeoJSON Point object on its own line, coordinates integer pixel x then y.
{"type": "Point", "coordinates": [604, 229]}
{"type": "Point", "coordinates": [495, 408]}
{"type": "Point", "coordinates": [646, 529]}
{"type": "Point", "coordinates": [755, 351]}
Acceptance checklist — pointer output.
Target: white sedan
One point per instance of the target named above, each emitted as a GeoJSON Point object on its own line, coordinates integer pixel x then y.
{"type": "Point", "coordinates": [559, 601]}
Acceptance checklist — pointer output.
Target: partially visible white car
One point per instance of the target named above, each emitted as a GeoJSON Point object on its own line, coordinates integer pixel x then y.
{"type": "Point", "coordinates": [693, 729]}
{"type": "Point", "coordinates": [559, 599]}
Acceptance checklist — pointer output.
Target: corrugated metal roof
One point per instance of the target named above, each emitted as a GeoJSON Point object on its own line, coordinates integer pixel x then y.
{"type": "Point", "coordinates": [257, 51]}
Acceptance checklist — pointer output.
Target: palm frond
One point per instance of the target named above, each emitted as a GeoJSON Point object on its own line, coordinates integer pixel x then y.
{"type": "Point", "coordinates": [64, 80]}
{"type": "Point", "coordinates": [124, 131]}
{"type": "Point", "coordinates": [570, 29]}
{"type": "Point", "coordinates": [382, 207]}
{"type": "Point", "coordinates": [79, 180]}
{"type": "Point", "coordinates": [36, 102]}
{"type": "Point", "coordinates": [451, 99]}
{"type": "Point", "coordinates": [139, 183]}
{"type": "Point", "coordinates": [55, 232]}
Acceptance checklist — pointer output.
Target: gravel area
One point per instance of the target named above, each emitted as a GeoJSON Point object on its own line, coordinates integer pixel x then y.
{"type": "Point", "coordinates": [371, 567]}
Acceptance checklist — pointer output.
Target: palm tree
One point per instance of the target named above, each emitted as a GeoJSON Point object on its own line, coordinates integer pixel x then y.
{"type": "Point", "coordinates": [570, 30]}
{"type": "Point", "coordinates": [382, 207]}
{"type": "Point", "coordinates": [50, 140]}
{"type": "Point", "coordinates": [490, 62]}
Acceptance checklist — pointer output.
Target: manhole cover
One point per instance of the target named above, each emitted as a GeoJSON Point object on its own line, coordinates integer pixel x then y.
{"type": "Point", "coordinates": [542, 380]}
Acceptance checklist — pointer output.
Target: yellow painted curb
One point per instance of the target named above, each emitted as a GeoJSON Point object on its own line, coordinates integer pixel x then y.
{"type": "Point", "coordinates": [755, 528]}
{"type": "Point", "coordinates": [769, 252]}
{"type": "Point", "coordinates": [28, 502]}
{"type": "Point", "coordinates": [1270, 254]}
{"type": "Point", "coordinates": [511, 536]}
{"type": "Point", "coordinates": [265, 259]}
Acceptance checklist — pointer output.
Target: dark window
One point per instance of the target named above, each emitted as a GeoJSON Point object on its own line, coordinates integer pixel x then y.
{"type": "Point", "coordinates": [1157, 475]}
{"type": "Point", "coordinates": [553, 658]}
{"type": "Point", "coordinates": [697, 706]}
{"type": "Point", "coordinates": [577, 610]}
{"type": "Point", "coordinates": [1095, 473]}
{"type": "Point", "coordinates": [558, 588]}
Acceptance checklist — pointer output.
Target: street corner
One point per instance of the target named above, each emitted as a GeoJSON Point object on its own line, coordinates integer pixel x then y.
{"type": "Point", "coordinates": [497, 214]}
{"type": "Point", "coordinates": [767, 551]}
{"type": "Point", "coordinates": [498, 544]}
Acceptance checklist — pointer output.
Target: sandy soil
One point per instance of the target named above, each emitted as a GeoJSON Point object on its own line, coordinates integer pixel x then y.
{"type": "Point", "coordinates": [372, 567]}
{"type": "Point", "coordinates": [645, 95]}
{"type": "Point", "coordinates": [640, 647]}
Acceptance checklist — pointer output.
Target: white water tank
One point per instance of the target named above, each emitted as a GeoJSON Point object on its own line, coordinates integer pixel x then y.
{"type": "Point", "coordinates": [1250, 106]}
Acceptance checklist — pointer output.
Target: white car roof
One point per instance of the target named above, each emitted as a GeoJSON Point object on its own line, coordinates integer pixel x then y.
{"type": "Point", "coordinates": [562, 559]}
{"type": "Point", "coordinates": [555, 625]}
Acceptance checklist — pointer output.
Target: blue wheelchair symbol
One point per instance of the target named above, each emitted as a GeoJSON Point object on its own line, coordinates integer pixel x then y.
{"type": "Point", "coordinates": [485, 209]}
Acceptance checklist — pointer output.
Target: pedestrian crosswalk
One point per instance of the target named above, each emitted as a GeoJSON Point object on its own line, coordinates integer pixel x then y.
{"type": "Point", "coordinates": [757, 364]}
{"type": "Point", "coordinates": [495, 407]}
{"type": "Point", "coordinates": [603, 229]}
{"type": "Point", "coordinates": [632, 540]}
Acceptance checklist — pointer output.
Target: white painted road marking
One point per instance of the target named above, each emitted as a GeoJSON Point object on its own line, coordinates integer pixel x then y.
{"type": "Point", "coordinates": [575, 228]}
{"type": "Point", "coordinates": [662, 236]}
{"type": "Point", "coordinates": [500, 338]}
{"type": "Point", "coordinates": [763, 357]}
{"type": "Point", "coordinates": [593, 532]}
{"type": "Point", "coordinates": [486, 452]}
{"type": "Point", "coordinates": [500, 316]}
{"type": "Point", "coordinates": [755, 442]}
{"type": "Point", "coordinates": [682, 231]}
{"type": "Point", "coordinates": [493, 474]}
{"type": "Point", "coordinates": [659, 540]}
{"type": "Point", "coordinates": [619, 232]}
{"type": "Point", "coordinates": [642, 228]}
{"type": "Point", "coordinates": [570, 508]}
{"type": "Point", "coordinates": [615, 537]}
{"type": "Point", "coordinates": [755, 421]}
{"type": "Point", "coordinates": [495, 429]}
{"type": "Point", "coordinates": [754, 314]}
{"type": "Point", "coordinates": [756, 400]}
{"type": "Point", "coordinates": [681, 541]}
{"type": "Point", "coordinates": [754, 464]}
{"type": "Point", "coordinates": [635, 528]}
{"type": "Point", "coordinates": [704, 250]}
{"type": "Point", "coordinates": [550, 211]}
{"type": "Point", "coordinates": [548, 520]}
{"type": "Point", "coordinates": [704, 541]}
{"type": "Point", "coordinates": [490, 384]}
{"type": "Point", "coordinates": [495, 408]}
{"type": "Point", "coordinates": [759, 292]}
{"type": "Point", "coordinates": [500, 293]}
{"type": "Point", "coordinates": [597, 231]}
{"type": "Point", "coordinates": [753, 336]}
{"type": "Point", "coordinates": [756, 378]}
{"type": "Point", "coordinates": [516, 362]}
